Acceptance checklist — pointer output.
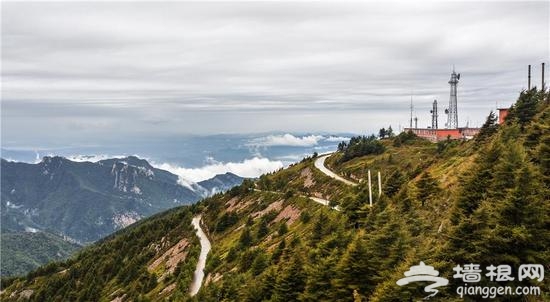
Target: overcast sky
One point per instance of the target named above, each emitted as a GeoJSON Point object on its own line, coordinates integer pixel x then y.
{"type": "Point", "coordinates": [83, 72]}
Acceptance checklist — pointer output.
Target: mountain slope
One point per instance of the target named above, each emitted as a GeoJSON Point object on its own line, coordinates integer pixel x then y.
{"type": "Point", "coordinates": [83, 201]}
{"type": "Point", "coordinates": [445, 204]}
{"type": "Point", "coordinates": [86, 201]}
{"type": "Point", "coordinates": [25, 251]}
{"type": "Point", "coordinates": [148, 256]}
{"type": "Point", "coordinates": [221, 183]}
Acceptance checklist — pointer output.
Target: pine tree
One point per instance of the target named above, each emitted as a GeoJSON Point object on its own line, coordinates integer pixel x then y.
{"type": "Point", "coordinates": [389, 132]}
{"type": "Point", "coordinates": [263, 229]}
{"type": "Point", "coordinates": [278, 252]}
{"type": "Point", "coordinates": [476, 182]}
{"type": "Point", "coordinates": [382, 133]}
{"type": "Point", "coordinates": [320, 272]}
{"type": "Point", "coordinates": [245, 240]}
{"type": "Point", "coordinates": [394, 183]}
{"type": "Point", "coordinates": [259, 264]}
{"type": "Point", "coordinates": [283, 228]}
{"type": "Point", "coordinates": [525, 107]}
{"type": "Point", "coordinates": [543, 157]}
{"type": "Point", "coordinates": [427, 186]}
{"type": "Point", "coordinates": [318, 228]}
{"type": "Point", "coordinates": [290, 282]}
{"type": "Point", "coordinates": [520, 232]}
{"type": "Point", "coordinates": [489, 128]}
{"type": "Point", "coordinates": [352, 204]}
{"type": "Point", "coordinates": [352, 271]}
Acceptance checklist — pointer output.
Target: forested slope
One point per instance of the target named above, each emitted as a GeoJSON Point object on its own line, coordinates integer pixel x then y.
{"type": "Point", "coordinates": [483, 201]}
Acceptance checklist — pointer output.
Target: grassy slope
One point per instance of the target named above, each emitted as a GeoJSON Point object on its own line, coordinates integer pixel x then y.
{"type": "Point", "coordinates": [323, 254]}
{"type": "Point", "coordinates": [338, 230]}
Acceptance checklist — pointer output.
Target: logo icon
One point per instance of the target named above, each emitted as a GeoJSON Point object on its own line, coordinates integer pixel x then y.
{"type": "Point", "coordinates": [424, 272]}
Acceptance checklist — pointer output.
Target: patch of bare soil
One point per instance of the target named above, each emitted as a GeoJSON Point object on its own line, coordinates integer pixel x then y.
{"type": "Point", "coordinates": [275, 206]}
{"type": "Point", "coordinates": [171, 257]}
{"type": "Point", "coordinates": [119, 299]}
{"type": "Point", "coordinates": [308, 175]}
{"type": "Point", "coordinates": [24, 294]}
{"type": "Point", "coordinates": [168, 289]}
{"type": "Point", "coordinates": [289, 212]}
{"type": "Point", "coordinates": [231, 204]}
{"type": "Point", "coordinates": [210, 278]}
{"type": "Point", "coordinates": [235, 204]}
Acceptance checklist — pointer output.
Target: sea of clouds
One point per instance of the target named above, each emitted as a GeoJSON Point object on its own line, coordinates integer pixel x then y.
{"type": "Point", "coordinates": [257, 157]}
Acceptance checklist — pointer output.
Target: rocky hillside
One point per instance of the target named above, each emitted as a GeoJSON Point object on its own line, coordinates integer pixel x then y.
{"type": "Point", "coordinates": [81, 202]}
{"type": "Point", "coordinates": [483, 201]}
{"type": "Point", "coordinates": [86, 201]}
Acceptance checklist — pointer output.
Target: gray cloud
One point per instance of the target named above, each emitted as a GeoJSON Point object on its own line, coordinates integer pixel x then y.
{"type": "Point", "coordinates": [147, 68]}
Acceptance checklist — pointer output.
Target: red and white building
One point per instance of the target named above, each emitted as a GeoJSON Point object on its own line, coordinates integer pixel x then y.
{"type": "Point", "coordinates": [435, 135]}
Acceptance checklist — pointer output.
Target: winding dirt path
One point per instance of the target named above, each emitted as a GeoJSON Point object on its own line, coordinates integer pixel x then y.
{"type": "Point", "coordinates": [198, 276]}
{"type": "Point", "coordinates": [320, 165]}
{"type": "Point", "coordinates": [323, 202]}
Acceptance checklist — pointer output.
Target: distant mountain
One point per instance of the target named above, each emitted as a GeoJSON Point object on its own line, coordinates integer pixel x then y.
{"type": "Point", "coordinates": [25, 251]}
{"type": "Point", "coordinates": [221, 182]}
{"type": "Point", "coordinates": [450, 203]}
{"type": "Point", "coordinates": [86, 201]}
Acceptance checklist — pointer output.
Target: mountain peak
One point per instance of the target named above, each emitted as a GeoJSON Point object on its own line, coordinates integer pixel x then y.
{"type": "Point", "coordinates": [131, 160]}
{"type": "Point", "coordinates": [136, 161]}
{"type": "Point", "coordinates": [54, 158]}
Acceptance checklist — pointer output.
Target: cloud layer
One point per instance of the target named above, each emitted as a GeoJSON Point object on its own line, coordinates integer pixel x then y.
{"type": "Point", "coordinates": [287, 140]}
{"type": "Point", "coordinates": [100, 71]}
{"type": "Point", "coordinates": [252, 167]}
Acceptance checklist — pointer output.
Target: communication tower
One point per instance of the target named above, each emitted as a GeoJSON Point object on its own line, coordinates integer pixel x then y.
{"type": "Point", "coordinates": [452, 111]}
{"type": "Point", "coordinates": [434, 115]}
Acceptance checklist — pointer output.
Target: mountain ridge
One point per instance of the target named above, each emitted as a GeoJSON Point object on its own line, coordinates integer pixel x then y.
{"type": "Point", "coordinates": [85, 201]}
{"type": "Point", "coordinates": [445, 204]}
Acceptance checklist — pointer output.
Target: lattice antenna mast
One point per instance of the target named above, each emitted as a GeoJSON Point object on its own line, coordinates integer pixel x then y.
{"type": "Point", "coordinates": [434, 115]}
{"type": "Point", "coordinates": [452, 111]}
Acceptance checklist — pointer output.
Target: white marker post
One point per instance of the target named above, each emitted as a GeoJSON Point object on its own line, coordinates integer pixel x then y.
{"type": "Point", "coordinates": [370, 191]}
{"type": "Point", "coordinates": [379, 185]}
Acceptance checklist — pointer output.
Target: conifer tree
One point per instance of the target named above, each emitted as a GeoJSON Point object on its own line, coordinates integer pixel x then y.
{"type": "Point", "coordinates": [263, 229]}
{"type": "Point", "coordinates": [488, 129]}
{"type": "Point", "coordinates": [290, 282]}
{"type": "Point", "coordinates": [283, 228]}
{"type": "Point", "coordinates": [318, 287]}
{"type": "Point", "coordinates": [525, 107]}
{"type": "Point", "coordinates": [543, 156]}
{"type": "Point", "coordinates": [394, 183]}
{"type": "Point", "coordinates": [245, 240]}
{"type": "Point", "coordinates": [427, 186]}
{"type": "Point", "coordinates": [318, 228]}
{"type": "Point", "coordinates": [352, 271]}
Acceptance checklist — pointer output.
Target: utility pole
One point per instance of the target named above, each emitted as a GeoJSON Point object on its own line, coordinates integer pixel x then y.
{"type": "Point", "coordinates": [529, 77]}
{"type": "Point", "coordinates": [543, 77]}
{"type": "Point", "coordinates": [370, 191]}
{"type": "Point", "coordinates": [379, 185]}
